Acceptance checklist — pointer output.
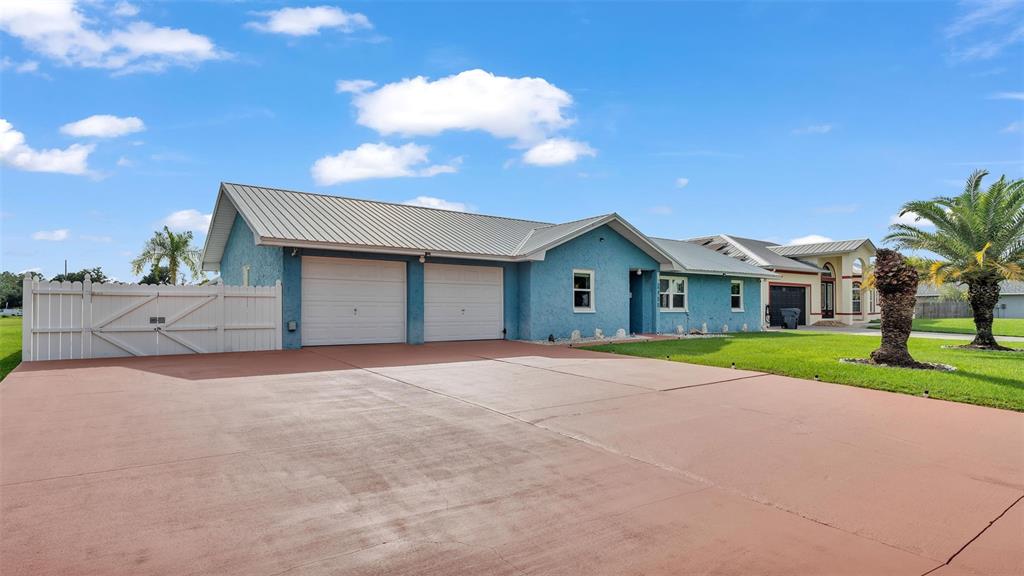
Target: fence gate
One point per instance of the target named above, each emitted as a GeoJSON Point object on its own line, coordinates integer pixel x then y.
{"type": "Point", "coordinates": [65, 320]}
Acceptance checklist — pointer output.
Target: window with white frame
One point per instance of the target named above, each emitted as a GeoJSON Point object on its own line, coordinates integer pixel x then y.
{"type": "Point", "coordinates": [856, 298]}
{"type": "Point", "coordinates": [672, 294]}
{"type": "Point", "coordinates": [245, 275]}
{"type": "Point", "coordinates": [583, 290]}
{"type": "Point", "coordinates": [736, 295]}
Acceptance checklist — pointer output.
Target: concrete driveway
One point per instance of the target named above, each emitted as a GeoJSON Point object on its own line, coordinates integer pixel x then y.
{"type": "Point", "coordinates": [493, 458]}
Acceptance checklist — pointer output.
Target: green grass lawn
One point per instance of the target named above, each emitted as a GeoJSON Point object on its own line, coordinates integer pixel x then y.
{"type": "Point", "coordinates": [10, 345]}
{"type": "Point", "coordinates": [985, 378]}
{"type": "Point", "coordinates": [1001, 326]}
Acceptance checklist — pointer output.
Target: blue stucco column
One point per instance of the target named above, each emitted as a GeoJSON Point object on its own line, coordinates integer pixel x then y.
{"type": "Point", "coordinates": [414, 301]}
{"type": "Point", "coordinates": [291, 293]}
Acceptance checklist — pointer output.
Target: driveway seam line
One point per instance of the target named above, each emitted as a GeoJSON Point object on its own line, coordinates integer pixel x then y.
{"type": "Point", "coordinates": [123, 468]}
{"type": "Point", "coordinates": [976, 536]}
{"type": "Point", "coordinates": [716, 382]}
{"type": "Point", "coordinates": [624, 383]}
{"type": "Point", "coordinates": [565, 373]}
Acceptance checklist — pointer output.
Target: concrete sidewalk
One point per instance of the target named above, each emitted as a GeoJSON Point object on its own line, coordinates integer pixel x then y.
{"type": "Point", "coordinates": [493, 458]}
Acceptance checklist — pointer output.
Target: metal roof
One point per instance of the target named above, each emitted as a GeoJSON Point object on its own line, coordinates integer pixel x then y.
{"type": "Point", "coordinates": [751, 251]}
{"type": "Point", "coordinates": [820, 248]}
{"type": "Point", "coordinates": [700, 260]}
{"type": "Point", "coordinates": [296, 219]}
{"type": "Point", "coordinates": [1006, 288]}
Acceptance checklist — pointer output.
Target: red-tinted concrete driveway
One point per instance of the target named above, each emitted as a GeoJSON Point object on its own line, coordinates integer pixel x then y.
{"type": "Point", "coordinates": [493, 458]}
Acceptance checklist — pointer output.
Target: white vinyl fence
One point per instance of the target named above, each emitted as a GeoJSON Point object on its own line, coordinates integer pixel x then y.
{"type": "Point", "coordinates": [65, 320]}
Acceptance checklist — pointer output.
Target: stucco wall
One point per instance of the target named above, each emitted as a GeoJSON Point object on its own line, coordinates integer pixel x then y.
{"type": "Point", "coordinates": [265, 262]}
{"type": "Point", "coordinates": [708, 302]}
{"type": "Point", "coordinates": [548, 287]}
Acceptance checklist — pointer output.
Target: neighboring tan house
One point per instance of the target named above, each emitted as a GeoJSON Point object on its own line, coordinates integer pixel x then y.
{"type": "Point", "coordinates": [823, 280]}
{"type": "Point", "coordinates": [358, 271]}
{"type": "Point", "coordinates": [1010, 305]}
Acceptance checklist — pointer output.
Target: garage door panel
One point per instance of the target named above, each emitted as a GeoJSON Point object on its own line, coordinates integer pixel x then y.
{"type": "Point", "coordinates": [780, 297]}
{"type": "Point", "coordinates": [347, 301]}
{"type": "Point", "coordinates": [462, 302]}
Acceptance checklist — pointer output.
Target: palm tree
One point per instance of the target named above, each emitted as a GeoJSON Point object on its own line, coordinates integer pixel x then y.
{"type": "Point", "coordinates": [979, 236]}
{"type": "Point", "coordinates": [175, 248]}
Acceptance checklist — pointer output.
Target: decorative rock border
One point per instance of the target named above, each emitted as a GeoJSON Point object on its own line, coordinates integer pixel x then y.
{"type": "Point", "coordinates": [972, 349]}
{"type": "Point", "coordinates": [920, 365]}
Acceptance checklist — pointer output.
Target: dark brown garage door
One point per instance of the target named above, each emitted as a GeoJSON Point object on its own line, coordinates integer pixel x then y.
{"type": "Point", "coordinates": [780, 297]}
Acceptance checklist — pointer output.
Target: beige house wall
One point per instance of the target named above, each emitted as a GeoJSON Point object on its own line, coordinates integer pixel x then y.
{"type": "Point", "coordinates": [844, 283]}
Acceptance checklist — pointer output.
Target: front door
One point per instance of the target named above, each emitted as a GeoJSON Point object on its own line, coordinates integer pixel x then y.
{"type": "Point", "coordinates": [636, 303]}
{"type": "Point", "coordinates": [828, 299]}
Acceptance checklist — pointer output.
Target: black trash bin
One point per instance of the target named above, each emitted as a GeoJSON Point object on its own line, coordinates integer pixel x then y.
{"type": "Point", "coordinates": [790, 317]}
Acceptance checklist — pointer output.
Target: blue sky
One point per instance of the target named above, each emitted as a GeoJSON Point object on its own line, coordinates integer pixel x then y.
{"type": "Point", "coordinates": [775, 121]}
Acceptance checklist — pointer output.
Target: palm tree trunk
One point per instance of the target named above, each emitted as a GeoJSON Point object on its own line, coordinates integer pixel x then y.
{"type": "Point", "coordinates": [172, 270]}
{"type": "Point", "coordinates": [983, 295]}
{"type": "Point", "coordinates": [897, 321]}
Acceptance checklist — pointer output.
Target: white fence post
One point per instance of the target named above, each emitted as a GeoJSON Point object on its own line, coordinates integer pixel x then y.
{"type": "Point", "coordinates": [87, 317]}
{"type": "Point", "coordinates": [222, 313]}
{"type": "Point", "coordinates": [27, 307]}
{"type": "Point", "coordinates": [278, 322]}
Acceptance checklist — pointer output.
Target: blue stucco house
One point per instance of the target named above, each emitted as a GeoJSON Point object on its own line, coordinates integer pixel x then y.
{"type": "Point", "coordinates": [358, 271]}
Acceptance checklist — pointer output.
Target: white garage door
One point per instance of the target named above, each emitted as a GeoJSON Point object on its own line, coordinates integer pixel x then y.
{"type": "Point", "coordinates": [462, 302]}
{"type": "Point", "coordinates": [347, 301]}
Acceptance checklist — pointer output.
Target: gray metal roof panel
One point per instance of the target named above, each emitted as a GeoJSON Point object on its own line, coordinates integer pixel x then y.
{"type": "Point", "coordinates": [543, 236]}
{"type": "Point", "coordinates": [819, 248]}
{"type": "Point", "coordinates": [286, 215]}
{"type": "Point", "coordinates": [695, 258]}
{"type": "Point", "coordinates": [752, 251]}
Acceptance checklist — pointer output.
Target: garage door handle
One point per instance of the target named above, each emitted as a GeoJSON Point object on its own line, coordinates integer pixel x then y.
{"type": "Point", "coordinates": [463, 310]}
{"type": "Point", "coordinates": [355, 311]}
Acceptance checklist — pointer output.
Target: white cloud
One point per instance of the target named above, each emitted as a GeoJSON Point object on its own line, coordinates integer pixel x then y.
{"type": "Point", "coordinates": [682, 182]}
{"type": "Point", "coordinates": [61, 31]}
{"type": "Point", "coordinates": [376, 161]}
{"type": "Point", "coordinates": [814, 129]}
{"type": "Point", "coordinates": [309, 20]}
{"type": "Point", "coordinates": [984, 29]}
{"type": "Point", "coordinates": [190, 219]}
{"type": "Point", "coordinates": [1013, 127]}
{"type": "Point", "coordinates": [124, 162]}
{"type": "Point", "coordinates": [557, 151]}
{"type": "Point", "coordinates": [525, 109]}
{"type": "Point", "coordinates": [125, 10]}
{"type": "Point", "coordinates": [910, 219]}
{"type": "Point", "coordinates": [353, 86]}
{"type": "Point", "coordinates": [431, 202]}
{"type": "Point", "coordinates": [810, 239]}
{"type": "Point", "coordinates": [16, 153]}
{"type": "Point", "coordinates": [27, 66]}
{"type": "Point", "coordinates": [52, 235]}
{"type": "Point", "coordinates": [661, 210]}
{"type": "Point", "coordinates": [1007, 96]}
{"type": "Point", "coordinates": [981, 14]}
{"type": "Point", "coordinates": [103, 126]}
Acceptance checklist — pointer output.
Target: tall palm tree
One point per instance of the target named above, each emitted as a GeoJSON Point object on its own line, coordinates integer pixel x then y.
{"type": "Point", "coordinates": [979, 236]}
{"type": "Point", "coordinates": [174, 248]}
